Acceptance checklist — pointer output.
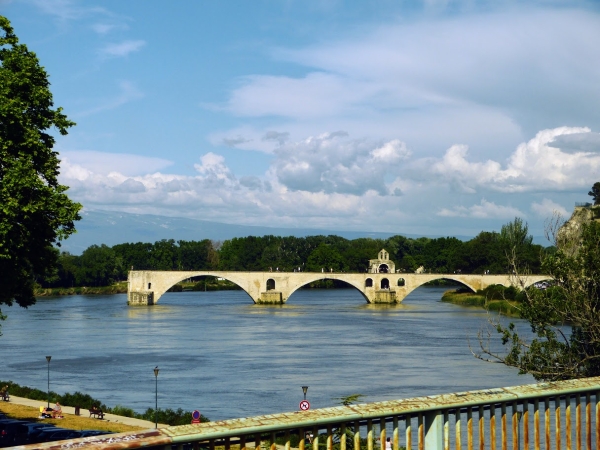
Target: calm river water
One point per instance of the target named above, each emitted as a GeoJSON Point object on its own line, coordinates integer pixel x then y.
{"type": "Point", "coordinates": [221, 354]}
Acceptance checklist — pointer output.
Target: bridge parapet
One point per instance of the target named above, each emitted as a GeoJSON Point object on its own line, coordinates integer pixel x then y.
{"type": "Point", "coordinates": [147, 286]}
{"type": "Point", "coordinates": [481, 419]}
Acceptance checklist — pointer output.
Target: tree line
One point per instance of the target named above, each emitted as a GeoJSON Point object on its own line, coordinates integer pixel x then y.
{"type": "Point", "coordinates": [101, 265]}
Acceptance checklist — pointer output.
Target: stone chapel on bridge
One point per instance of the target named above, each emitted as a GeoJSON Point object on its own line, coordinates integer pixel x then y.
{"type": "Point", "coordinates": [383, 264]}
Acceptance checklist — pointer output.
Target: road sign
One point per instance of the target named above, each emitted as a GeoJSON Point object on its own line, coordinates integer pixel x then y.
{"type": "Point", "coordinates": [196, 416]}
{"type": "Point", "coordinates": [304, 405]}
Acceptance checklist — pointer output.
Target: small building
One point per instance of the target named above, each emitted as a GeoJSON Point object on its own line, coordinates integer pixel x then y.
{"type": "Point", "coordinates": [383, 264]}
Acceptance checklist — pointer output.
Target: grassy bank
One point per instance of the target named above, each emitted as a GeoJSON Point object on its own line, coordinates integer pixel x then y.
{"type": "Point", "coordinates": [501, 306]}
{"type": "Point", "coordinates": [73, 422]}
{"type": "Point", "coordinates": [117, 288]}
{"type": "Point", "coordinates": [85, 401]}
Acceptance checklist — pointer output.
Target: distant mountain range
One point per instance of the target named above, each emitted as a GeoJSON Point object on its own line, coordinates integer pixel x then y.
{"type": "Point", "coordinates": [111, 228]}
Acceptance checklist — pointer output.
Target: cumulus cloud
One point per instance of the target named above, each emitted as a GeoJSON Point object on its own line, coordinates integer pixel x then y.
{"type": "Point", "coordinates": [214, 170]}
{"type": "Point", "coordinates": [333, 163]}
{"type": "Point", "coordinates": [122, 49]}
{"type": "Point", "coordinates": [130, 186]}
{"type": "Point", "coordinates": [546, 208]}
{"type": "Point", "coordinates": [534, 166]}
{"type": "Point", "coordinates": [577, 142]}
{"type": "Point", "coordinates": [483, 210]}
{"type": "Point", "coordinates": [334, 179]}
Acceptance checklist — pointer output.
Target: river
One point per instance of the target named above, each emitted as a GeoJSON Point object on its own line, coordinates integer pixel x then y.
{"type": "Point", "coordinates": [221, 354]}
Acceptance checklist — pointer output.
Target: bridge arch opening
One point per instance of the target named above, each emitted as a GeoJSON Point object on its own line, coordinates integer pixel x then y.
{"type": "Point", "coordinates": [369, 282]}
{"type": "Point", "coordinates": [270, 284]}
{"type": "Point", "coordinates": [330, 289]}
{"type": "Point", "coordinates": [385, 283]}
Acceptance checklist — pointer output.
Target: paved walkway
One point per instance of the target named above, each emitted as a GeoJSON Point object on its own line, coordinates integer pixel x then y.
{"type": "Point", "coordinates": [71, 410]}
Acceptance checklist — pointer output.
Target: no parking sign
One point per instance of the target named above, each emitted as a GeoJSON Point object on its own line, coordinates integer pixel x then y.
{"type": "Point", "coordinates": [196, 416]}
{"type": "Point", "coordinates": [304, 405]}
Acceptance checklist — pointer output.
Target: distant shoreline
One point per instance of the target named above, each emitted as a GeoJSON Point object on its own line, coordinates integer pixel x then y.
{"type": "Point", "coordinates": [117, 288]}
{"type": "Point", "coordinates": [471, 299]}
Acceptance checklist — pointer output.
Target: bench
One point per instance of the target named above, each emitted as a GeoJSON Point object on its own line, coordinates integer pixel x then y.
{"type": "Point", "coordinates": [95, 412]}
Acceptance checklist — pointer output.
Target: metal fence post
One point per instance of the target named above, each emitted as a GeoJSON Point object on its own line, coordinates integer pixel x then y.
{"type": "Point", "coordinates": [434, 437]}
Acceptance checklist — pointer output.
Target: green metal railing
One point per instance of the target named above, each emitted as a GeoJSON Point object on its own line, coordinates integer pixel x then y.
{"type": "Point", "coordinates": [560, 415]}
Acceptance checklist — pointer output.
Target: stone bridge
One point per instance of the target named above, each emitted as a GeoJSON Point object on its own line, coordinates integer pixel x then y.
{"type": "Point", "coordinates": [147, 286]}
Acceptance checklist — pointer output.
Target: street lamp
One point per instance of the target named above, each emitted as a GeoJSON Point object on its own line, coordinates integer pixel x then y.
{"type": "Point", "coordinates": [304, 389]}
{"type": "Point", "coordinates": [48, 358]}
{"type": "Point", "coordinates": [156, 398]}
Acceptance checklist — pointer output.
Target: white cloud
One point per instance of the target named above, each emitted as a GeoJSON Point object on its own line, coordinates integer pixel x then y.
{"type": "Point", "coordinates": [82, 162]}
{"type": "Point", "coordinates": [334, 180]}
{"type": "Point", "coordinates": [332, 162]}
{"type": "Point", "coordinates": [546, 208]}
{"type": "Point", "coordinates": [534, 166]}
{"type": "Point", "coordinates": [486, 80]}
{"type": "Point", "coordinates": [483, 210]}
{"type": "Point", "coordinates": [122, 49]}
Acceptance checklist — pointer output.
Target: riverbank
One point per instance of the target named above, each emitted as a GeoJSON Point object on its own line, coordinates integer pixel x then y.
{"type": "Point", "coordinates": [505, 307]}
{"type": "Point", "coordinates": [117, 288]}
{"type": "Point", "coordinates": [26, 409]}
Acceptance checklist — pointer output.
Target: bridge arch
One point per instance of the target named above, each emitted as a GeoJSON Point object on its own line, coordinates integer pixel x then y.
{"type": "Point", "coordinates": [433, 277]}
{"type": "Point", "coordinates": [320, 277]}
{"type": "Point", "coordinates": [160, 285]}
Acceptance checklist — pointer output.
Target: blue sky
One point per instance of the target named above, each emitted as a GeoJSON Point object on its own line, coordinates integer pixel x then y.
{"type": "Point", "coordinates": [434, 117]}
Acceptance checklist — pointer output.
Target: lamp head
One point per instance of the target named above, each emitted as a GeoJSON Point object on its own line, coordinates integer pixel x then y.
{"type": "Point", "coordinates": [304, 389]}
{"type": "Point", "coordinates": [48, 358]}
{"type": "Point", "coordinates": [156, 371]}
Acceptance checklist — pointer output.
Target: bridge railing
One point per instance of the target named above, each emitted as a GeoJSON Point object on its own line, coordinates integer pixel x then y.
{"type": "Point", "coordinates": [560, 415]}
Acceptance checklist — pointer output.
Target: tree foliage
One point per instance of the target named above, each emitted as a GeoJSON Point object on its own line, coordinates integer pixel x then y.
{"type": "Point", "coordinates": [35, 212]}
{"type": "Point", "coordinates": [102, 265]}
{"type": "Point", "coordinates": [564, 318]}
{"type": "Point", "coordinates": [595, 193]}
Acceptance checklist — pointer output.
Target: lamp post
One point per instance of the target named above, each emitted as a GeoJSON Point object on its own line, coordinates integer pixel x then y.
{"type": "Point", "coordinates": [156, 398]}
{"type": "Point", "coordinates": [304, 389]}
{"type": "Point", "coordinates": [48, 358]}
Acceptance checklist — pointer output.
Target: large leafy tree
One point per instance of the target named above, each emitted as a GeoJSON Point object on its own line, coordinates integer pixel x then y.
{"type": "Point", "coordinates": [595, 193]}
{"type": "Point", "coordinates": [564, 318]}
{"type": "Point", "coordinates": [35, 212]}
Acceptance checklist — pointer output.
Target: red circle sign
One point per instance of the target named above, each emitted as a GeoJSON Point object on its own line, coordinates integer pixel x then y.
{"type": "Point", "coordinates": [304, 405]}
{"type": "Point", "coordinates": [196, 416]}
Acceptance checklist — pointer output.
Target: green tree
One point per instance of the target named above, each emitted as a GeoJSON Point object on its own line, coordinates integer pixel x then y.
{"type": "Point", "coordinates": [325, 257]}
{"type": "Point", "coordinates": [564, 318]}
{"type": "Point", "coordinates": [517, 245]}
{"type": "Point", "coordinates": [35, 212]}
{"type": "Point", "coordinates": [595, 193]}
{"type": "Point", "coordinates": [98, 267]}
